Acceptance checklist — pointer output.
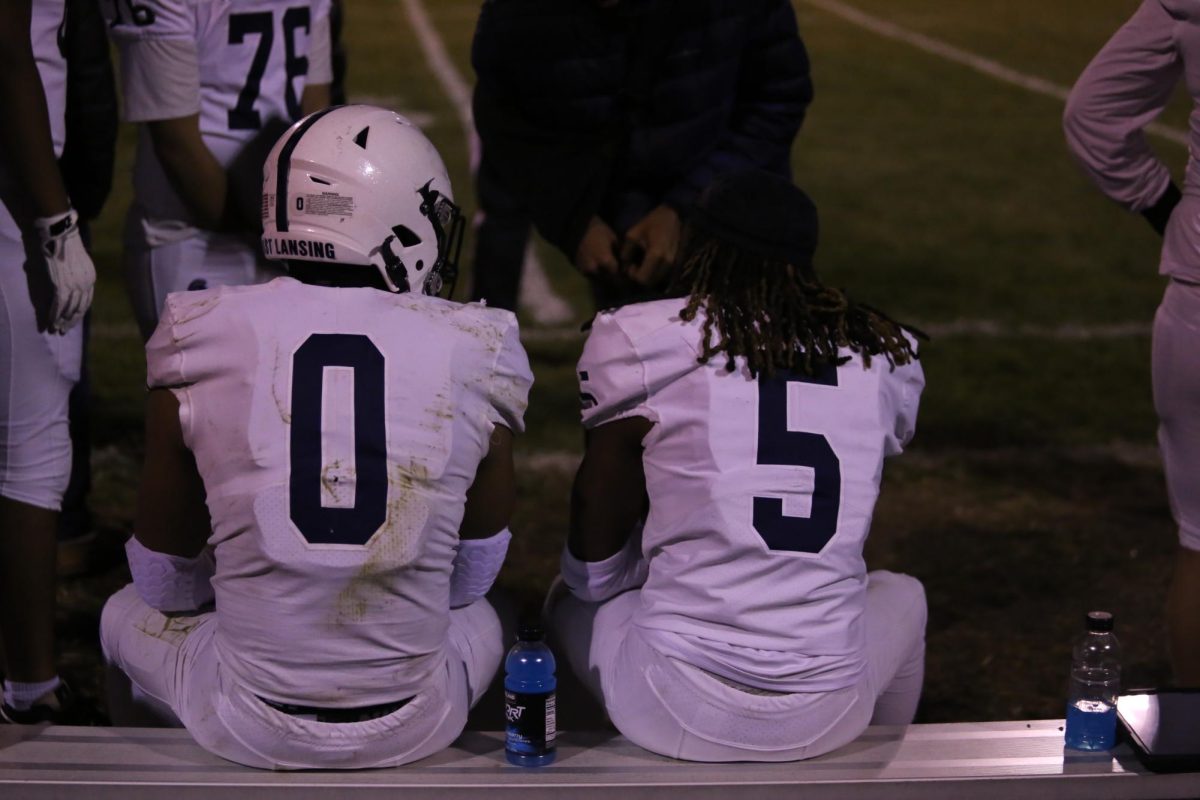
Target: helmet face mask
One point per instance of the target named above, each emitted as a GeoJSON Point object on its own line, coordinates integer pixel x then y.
{"type": "Point", "coordinates": [447, 222]}
{"type": "Point", "coordinates": [360, 186]}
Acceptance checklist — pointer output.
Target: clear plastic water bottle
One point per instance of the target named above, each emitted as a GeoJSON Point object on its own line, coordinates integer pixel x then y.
{"type": "Point", "coordinates": [1095, 683]}
{"type": "Point", "coordinates": [529, 700]}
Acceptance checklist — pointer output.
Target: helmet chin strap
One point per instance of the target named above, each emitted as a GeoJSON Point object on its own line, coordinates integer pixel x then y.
{"type": "Point", "coordinates": [393, 266]}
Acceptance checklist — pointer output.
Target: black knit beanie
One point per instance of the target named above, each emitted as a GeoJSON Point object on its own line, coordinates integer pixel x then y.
{"type": "Point", "coordinates": [761, 213]}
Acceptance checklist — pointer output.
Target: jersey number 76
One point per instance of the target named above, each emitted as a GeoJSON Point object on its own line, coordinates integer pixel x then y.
{"type": "Point", "coordinates": [261, 24]}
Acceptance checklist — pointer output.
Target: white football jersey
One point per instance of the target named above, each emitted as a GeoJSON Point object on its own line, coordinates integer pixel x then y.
{"type": "Point", "coordinates": [242, 65]}
{"type": "Point", "coordinates": [761, 495]}
{"type": "Point", "coordinates": [337, 432]}
{"type": "Point", "coordinates": [45, 34]}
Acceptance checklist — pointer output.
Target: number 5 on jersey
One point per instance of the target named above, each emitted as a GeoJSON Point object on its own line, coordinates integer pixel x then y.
{"type": "Point", "coordinates": [782, 447]}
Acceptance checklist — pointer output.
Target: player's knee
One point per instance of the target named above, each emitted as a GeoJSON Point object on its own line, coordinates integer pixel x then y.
{"type": "Point", "coordinates": [114, 618]}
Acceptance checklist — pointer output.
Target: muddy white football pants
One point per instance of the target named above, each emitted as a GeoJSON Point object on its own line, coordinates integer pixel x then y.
{"type": "Point", "coordinates": [37, 371]}
{"type": "Point", "coordinates": [677, 710]}
{"type": "Point", "coordinates": [174, 662]}
{"type": "Point", "coordinates": [1176, 378]}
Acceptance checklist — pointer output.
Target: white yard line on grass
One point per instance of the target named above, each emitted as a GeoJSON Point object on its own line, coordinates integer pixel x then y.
{"type": "Point", "coordinates": [537, 295]}
{"type": "Point", "coordinates": [557, 461]}
{"type": "Point", "coordinates": [1069, 332]}
{"type": "Point", "coordinates": [986, 66]}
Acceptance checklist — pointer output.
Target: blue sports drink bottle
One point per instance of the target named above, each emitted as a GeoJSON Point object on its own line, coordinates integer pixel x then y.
{"type": "Point", "coordinates": [529, 701]}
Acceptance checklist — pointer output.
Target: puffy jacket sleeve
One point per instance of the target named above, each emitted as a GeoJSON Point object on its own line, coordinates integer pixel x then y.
{"type": "Point", "coordinates": [774, 91]}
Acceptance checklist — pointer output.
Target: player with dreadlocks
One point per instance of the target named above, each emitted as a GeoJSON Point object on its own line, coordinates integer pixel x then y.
{"type": "Point", "coordinates": [764, 298]}
{"type": "Point", "coordinates": [718, 601]}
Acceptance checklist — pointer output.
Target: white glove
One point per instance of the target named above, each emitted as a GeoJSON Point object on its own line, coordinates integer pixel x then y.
{"type": "Point", "coordinates": [70, 269]}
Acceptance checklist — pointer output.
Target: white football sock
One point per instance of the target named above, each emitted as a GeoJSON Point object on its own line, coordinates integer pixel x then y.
{"type": "Point", "coordinates": [22, 696]}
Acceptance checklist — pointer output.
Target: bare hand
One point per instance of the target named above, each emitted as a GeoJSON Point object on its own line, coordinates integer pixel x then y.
{"type": "Point", "coordinates": [597, 253]}
{"type": "Point", "coordinates": [649, 250]}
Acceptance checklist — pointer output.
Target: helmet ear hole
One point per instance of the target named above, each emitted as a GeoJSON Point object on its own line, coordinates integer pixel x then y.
{"type": "Point", "coordinates": [406, 236]}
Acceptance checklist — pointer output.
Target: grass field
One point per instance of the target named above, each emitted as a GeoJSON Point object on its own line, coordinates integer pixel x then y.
{"type": "Point", "coordinates": [1033, 491]}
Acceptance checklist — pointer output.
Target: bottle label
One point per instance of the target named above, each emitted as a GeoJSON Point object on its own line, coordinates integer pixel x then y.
{"type": "Point", "coordinates": [530, 722]}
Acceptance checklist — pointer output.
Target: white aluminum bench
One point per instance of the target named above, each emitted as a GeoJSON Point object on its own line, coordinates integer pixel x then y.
{"type": "Point", "coordinates": [1024, 760]}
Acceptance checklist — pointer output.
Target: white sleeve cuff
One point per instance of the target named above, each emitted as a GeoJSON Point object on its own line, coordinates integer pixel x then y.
{"type": "Point", "coordinates": [596, 581]}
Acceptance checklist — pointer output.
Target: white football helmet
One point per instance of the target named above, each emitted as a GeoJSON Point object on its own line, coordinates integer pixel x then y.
{"type": "Point", "coordinates": [362, 185]}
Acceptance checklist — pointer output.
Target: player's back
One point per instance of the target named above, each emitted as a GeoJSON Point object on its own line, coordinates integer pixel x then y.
{"type": "Point", "coordinates": [337, 432]}
{"type": "Point", "coordinates": [761, 495]}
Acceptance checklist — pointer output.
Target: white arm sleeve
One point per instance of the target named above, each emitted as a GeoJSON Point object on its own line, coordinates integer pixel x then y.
{"type": "Point", "coordinates": [597, 581]}
{"type": "Point", "coordinates": [170, 583]}
{"type": "Point", "coordinates": [1120, 92]}
{"type": "Point", "coordinates": [476, 566]}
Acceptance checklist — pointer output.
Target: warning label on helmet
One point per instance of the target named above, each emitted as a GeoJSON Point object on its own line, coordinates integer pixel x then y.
{"type": "Point", "coordinates": [326, 204]}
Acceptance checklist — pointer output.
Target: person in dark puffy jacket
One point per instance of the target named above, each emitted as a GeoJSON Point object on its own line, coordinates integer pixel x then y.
{"type": "Point", "coordinates": [606, 118]}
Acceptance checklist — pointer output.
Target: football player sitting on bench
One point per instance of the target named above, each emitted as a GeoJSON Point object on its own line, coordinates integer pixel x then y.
{"type": "Point", "coordinates": [718, 603]}
{"type": "Point", "coordinates": [329, 457]}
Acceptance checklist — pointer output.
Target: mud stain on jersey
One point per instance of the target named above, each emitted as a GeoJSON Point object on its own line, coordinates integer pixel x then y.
{"type": "Point", "coordinates": [511, 394]}
{"type": "Point", "coordinates": [442, 409]}
{"type": "Point", "coordinates": [487, 335]}
{"type": "Point", "coordinates": [395, 545]}
{"type": "Point", "coordinates": [170, 629]}
{"type": "Point", "coordinates": [190, 312]}
{"type": "Point", "coordinates": [199, 307]}
{"type": "Point", "coordinates": [436, 415]}
{"type": "Point", "coordinates": [276, 370]}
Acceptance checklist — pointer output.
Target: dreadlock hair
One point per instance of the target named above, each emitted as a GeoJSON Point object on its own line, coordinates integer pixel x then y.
{"type": "Point", "coordinates": [775, 313]}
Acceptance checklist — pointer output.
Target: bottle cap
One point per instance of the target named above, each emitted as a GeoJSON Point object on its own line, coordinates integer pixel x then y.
{"type": "Point", "coordinates": [530, 631]}
{"type": "Point", "coordinates": [1099, 622]}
